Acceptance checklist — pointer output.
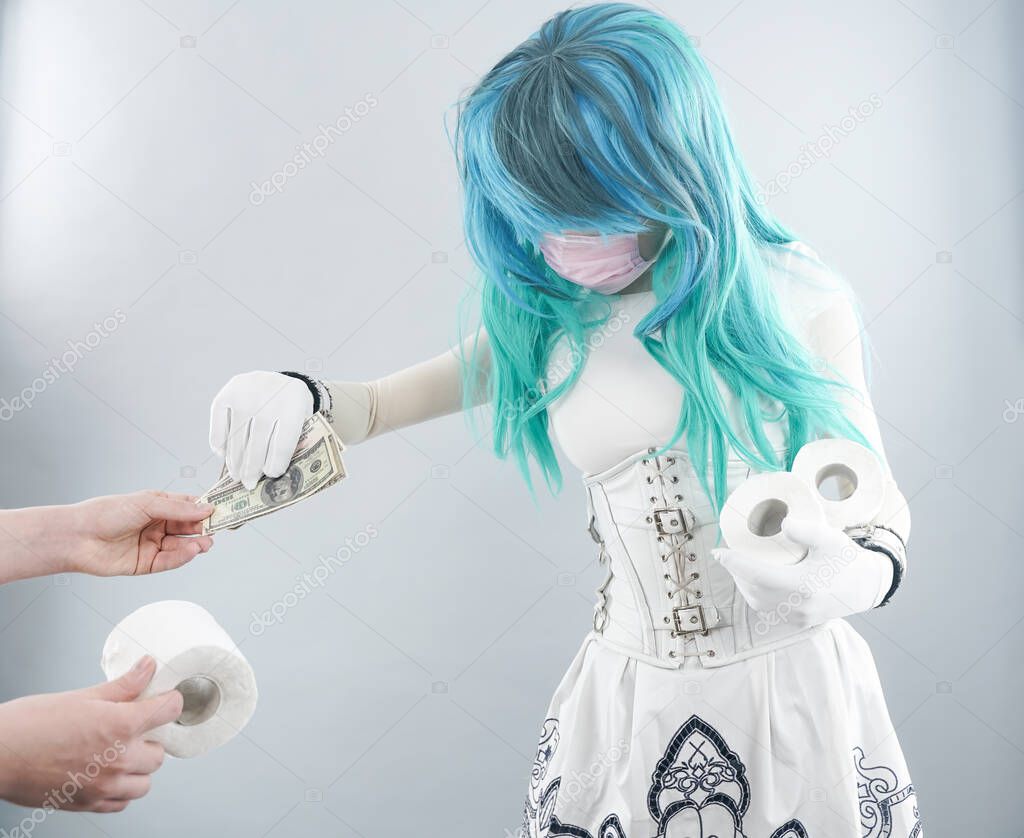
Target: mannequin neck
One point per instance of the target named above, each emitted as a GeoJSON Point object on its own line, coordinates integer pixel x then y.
{"type": "Point", "coordinates": [641, 284]}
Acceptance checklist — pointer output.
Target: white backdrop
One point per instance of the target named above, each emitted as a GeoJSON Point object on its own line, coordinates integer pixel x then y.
{"type": "Point", "coordinates": [405, 695]}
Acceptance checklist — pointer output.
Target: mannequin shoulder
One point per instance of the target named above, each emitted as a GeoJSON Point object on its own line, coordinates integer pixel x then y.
{"type": "Point", "coordinates": [805, 287]}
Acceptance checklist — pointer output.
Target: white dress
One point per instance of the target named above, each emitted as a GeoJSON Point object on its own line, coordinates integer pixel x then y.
{"type": "Point", "coordinates": [736, 731]}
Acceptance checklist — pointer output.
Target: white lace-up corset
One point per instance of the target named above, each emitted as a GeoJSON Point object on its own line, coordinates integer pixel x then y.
{"type": "Point", "coordinates": [665, 599]}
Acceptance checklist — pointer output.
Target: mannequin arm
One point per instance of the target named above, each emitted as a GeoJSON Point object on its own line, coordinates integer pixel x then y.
{"type": "Point", "coordinates": [257, 417]}
{"type": "Point", "coordinates": [835, 337]}
{"type": "Point", "coordinates": [875, 553]}
{"type": "Point", "coordinates": [428, 390]}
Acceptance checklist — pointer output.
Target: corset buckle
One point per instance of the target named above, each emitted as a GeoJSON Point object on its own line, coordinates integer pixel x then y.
{"type": "Point", "coordinates": [673, 520]}
{"type": "Point", "coordinates": [689, 619]}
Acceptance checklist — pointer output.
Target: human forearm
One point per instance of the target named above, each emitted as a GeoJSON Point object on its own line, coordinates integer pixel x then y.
{"type": "Point", "coordinates": [37, 541]}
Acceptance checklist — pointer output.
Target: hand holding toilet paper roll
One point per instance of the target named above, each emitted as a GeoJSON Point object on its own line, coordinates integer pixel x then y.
{"type": "Point", "coordinates": [751, 519]}
{"type": "Point", "coordinates": [846, 477]}
{"type": "Point", "coordinates": [195, 656]}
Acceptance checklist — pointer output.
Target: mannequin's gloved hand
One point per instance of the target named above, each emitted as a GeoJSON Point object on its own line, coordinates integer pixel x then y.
{"type": "Point", "coordinates": [257, 418]}
{"type": "Point", "coordinates": [836, 578]}
{"type": "Point", "coordinates": [255, 423]}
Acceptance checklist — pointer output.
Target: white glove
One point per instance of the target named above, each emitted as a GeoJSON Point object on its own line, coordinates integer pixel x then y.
{"type": "Point", "coordinates": [838, 577]}
{"type": "Point", "coordinates": [255, 423]}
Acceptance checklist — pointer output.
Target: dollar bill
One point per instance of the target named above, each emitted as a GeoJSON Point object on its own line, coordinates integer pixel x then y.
{"type": "Point", "coordinates": [316, 465]}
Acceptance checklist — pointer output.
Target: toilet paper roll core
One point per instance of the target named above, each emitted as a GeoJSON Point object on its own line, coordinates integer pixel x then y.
{"type": "Point", "coordinates": [201, 699]}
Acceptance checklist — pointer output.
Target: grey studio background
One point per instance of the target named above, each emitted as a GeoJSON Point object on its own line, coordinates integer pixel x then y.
{"type": "Point", "coordinates": [404, 696]}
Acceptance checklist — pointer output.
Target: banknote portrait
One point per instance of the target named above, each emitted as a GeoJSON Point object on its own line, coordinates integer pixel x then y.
{"type": "Point", "coordinates": [282, 489]}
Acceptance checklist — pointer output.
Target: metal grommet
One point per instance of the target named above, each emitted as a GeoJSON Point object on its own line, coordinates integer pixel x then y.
{"type": "Point", "coordinates": [691, 557]}
{"type": "Point", "coordinates": [664, 558]}
{"type": "Point", "coordinates": [697, 594]}
{"type": "Point", "coordinates": [650, 520]}
{"type": "Point", "coordinates": [651, 450]}
{"type": "Point", "coordinates": [650, 479]}
{"type": "Point", "coordinates": [679, 497]}
{"type": "Point", "coordinates": [674, 479]}
{"type": "Point", "coordinates": [653, 499]}
{"type": "Point", "coordinates": [666, 620]}
{"type": "Point", "coordinates": [670, 460]}
{"type": "Point", "coordinates": [646, 462]}
{"type": "Point", "coordinates": [695, 576]}
{"type": "Point", "coordinates": [673, 654]}
{"type": "Point", "coordinates": [711, 653]}
{"type": "Point", "coordinates": [670, 594]}
{"type": "Point", "coordinates": [661, 538]}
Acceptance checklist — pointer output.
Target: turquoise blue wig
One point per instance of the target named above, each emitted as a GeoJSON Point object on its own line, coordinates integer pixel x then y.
{"type": "Point", "coordinates": [607, 121]}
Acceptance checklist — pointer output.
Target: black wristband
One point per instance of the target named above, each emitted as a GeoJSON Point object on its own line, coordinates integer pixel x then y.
{"type": "Point", "coordinates": [311, 384]}
{"type": "Point", "coordinates": [897, 566]}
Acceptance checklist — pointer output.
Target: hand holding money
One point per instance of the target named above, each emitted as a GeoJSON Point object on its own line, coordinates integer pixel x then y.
{"type": "Point", "coordinates": [315, 465]}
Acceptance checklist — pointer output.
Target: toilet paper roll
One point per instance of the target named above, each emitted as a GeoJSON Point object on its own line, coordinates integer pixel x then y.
{"type": "Point", "coordinates": [843, 466]}
{"type": "Point", "coordinates": [751, 519]}
{"type": "Point", "coordinates": [197, 657]}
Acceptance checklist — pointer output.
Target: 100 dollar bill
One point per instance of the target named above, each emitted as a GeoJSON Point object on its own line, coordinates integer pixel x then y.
{"type": "Point", "coordinates": [315, 465]}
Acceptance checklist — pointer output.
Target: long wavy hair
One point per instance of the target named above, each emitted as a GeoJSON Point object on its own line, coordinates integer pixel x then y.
{"type": "Point", "coordinates": [607, 120]}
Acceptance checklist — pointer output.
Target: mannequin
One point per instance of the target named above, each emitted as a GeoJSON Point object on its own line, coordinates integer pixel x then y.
{"type": "Point", "coordinates": [603, 186]}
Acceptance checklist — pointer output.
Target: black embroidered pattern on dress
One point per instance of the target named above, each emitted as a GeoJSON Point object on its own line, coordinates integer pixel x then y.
{"type": "Point", "coordinates": [879, 793]}
{"type": "Point", "coordinates": [700, 783]}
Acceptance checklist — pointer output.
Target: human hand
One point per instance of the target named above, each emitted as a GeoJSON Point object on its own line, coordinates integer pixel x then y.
{"type": "Point", "coordinates": [131, 535]}
{"type": "Point", "coordinates": [255, 423]}
{"type": "Point", "coordinates": [837, 577]}
{"type": "Point", "coordinates": [84, 750]}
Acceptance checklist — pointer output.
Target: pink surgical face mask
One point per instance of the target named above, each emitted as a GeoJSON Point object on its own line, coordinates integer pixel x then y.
{"type": "Point", "coordinates": [604, 264]}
